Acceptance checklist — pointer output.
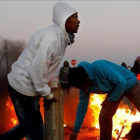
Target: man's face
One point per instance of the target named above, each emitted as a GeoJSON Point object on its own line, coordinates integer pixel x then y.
{"type": "Point", "coordinates": [84, 86]}
{"type": "Point", "coordinates": [72, 23]}
{"type": "Point", "coordinates": [66, 64]}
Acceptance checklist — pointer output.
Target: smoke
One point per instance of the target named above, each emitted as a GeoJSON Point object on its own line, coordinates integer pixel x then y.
{"type": "Point", "coordinates": [14, 49]}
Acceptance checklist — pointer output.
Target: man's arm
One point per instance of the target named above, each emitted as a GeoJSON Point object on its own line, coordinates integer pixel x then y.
{"type": "Point", "coordinates": [39, 68]}
{"type": "Point", "coordinates": [81, 110]}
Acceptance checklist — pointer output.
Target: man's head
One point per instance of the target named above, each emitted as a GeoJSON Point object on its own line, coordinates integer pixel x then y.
{"type": "Point", "coordinates": [123, 64]}
{"type": "Point", "coordinates": [66, 64]}
{"type": "Point", "coordinates": [138, 59]}
{"type": "Point", "coordinates": [72, 24]}
{"type": "Point", "coordinates": [66, 17]}
{"type": "Point", "coordinates": [78, 78]}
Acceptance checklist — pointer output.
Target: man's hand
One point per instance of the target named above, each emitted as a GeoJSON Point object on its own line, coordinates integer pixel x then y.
{"type": "Point", "coordinates": [106, 104]}
{"type": "Point", "coordinates": [47, 103]}
{"type": "Point", "coordinates": [54, 89]}
{"type": "Point", "coordinates": [73, 136]}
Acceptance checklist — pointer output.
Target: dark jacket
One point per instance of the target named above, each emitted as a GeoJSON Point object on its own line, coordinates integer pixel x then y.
{"type": "Point", "coordinates": [63, 75]}
{"type": "Point", "coordinates": [136, 68]}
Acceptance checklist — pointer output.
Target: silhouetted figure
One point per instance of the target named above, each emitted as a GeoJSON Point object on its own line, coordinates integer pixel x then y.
{"type": "Point", "coordinates": [123, 64]}
{"type": "Point", "coordinates": [136, 66]}
{"type": "Point", "coordinates": [63, 76]}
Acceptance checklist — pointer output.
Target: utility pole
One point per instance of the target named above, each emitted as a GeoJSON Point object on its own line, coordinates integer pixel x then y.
{"type": "Point", "coordinates": [2, 57]}
{"type": "Point", "coordinates": [6, 57]}
{"type": "Point", "coordinates": [5, 54]}
{"type": "Point", "coordinates": [54, 118]}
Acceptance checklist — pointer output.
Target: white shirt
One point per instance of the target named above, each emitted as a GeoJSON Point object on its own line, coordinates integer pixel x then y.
{"type": "Point", "coordinates": [37, 64]}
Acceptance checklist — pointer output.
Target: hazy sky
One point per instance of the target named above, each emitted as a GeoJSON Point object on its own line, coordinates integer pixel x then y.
{"type": "Point", "coordinates": [109, 29]}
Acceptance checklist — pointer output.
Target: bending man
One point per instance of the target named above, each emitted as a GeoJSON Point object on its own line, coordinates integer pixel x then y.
{"type": "Point", "coordinates": [103, 77]}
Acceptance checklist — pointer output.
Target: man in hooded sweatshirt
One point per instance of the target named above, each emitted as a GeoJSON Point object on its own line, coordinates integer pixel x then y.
{"type": "Point", "coordinates": [34, 70]}
{"type": "Point", "coordinates": [103, 77]}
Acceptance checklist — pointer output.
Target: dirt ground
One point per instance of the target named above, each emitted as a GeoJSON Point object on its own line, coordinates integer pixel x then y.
{"type": "Point", "coordinates": [84, 134]}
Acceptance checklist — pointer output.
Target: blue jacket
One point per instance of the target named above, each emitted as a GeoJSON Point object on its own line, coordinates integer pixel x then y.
{"type": "Point", "coordinates": [105, 77]}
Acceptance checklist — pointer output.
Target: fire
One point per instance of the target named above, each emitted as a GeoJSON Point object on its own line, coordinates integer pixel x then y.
{"type": "Point", "coordinates": [138, 76]}
{"type": "Point", "coordinates": [95, 105]}
{"type": "Point", "coordinates": [122, 120]}
{"type": "Point", "coordinates": [14, 121]}
{"type": "Point", "coordinates": [12, 117]}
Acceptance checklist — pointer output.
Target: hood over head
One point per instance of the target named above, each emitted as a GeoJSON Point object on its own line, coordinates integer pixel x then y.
{"type": "Point", "coordinates": [61, 12]}
{"type": "Point", "coordinates": [88, 69]}
{"type": "Point", "coordinates": [137, 58]}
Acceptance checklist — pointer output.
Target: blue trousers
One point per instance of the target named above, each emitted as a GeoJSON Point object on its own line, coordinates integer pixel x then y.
{"type": "Point", "coordinates": [30, 125]}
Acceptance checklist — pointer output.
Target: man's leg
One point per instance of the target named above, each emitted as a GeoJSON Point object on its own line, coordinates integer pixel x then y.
{"type": "Point", "coordinates": [16, 133]}
{"type": "Point", "coordinates": [134, 96]}
{"type": "Point", "coordinates": [105, 120]}
{"type": "Point", "coordinates": [30, 118]}
{"type": "Point", "coordinates": [28, 113]}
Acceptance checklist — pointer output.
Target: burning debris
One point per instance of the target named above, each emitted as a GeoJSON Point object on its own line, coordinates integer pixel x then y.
{"type": "Point", "coordinates": [134, 132]}
{"type": "Point", "coordinates": [123, 120]}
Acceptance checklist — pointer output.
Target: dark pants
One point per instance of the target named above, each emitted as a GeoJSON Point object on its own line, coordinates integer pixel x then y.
{"type": "Point", "coordinates": [106, 115]}
{"type": "Point", "coordinates": [30, 120]}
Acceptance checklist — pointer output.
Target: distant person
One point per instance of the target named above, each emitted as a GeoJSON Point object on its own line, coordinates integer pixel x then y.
{"type": "Point", "coordinates": [34, 71]}
{"type": "Point", "coordinates": [63, 76]}
{"type": "Point", "coordinates": [102, 77]}
{"type": "Point", "coordinates": [136, 66]}
{"type": "Point", "coordinates": [123, 64]}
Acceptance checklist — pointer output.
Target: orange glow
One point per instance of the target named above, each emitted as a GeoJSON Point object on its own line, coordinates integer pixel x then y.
{"type": "Point", "coordinates": [12, 117]}
{"type": "Point", "coordinates": [14, 121]}
{"type": "Point", "coordinates": [138, 76]}
{"type": "Point", "coordinates": [123, 117]}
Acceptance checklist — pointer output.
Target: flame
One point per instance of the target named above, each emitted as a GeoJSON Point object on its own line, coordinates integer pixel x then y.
{"type": "Point", "coordinates": [12, 117]}
{"type": "Point", "coordinates": [123, 118]}
{"type": "Point", "coordinates": [138, 76]}
{"type": "Point", "coordinates": [95, 105]}
{"type": "Point", "coordinates": [14, 121]}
